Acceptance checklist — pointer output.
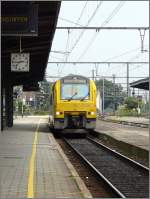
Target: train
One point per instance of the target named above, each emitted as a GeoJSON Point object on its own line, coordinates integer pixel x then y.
{"type": "Point", "coordinates": [73, 102]}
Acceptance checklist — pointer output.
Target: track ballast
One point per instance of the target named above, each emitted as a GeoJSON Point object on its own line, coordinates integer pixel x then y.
{"type": "Point", "coordinates": [128, 178]}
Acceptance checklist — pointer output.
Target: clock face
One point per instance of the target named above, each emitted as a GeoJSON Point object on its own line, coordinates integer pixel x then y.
{"type": "Point", "coordinates": [20, 62]}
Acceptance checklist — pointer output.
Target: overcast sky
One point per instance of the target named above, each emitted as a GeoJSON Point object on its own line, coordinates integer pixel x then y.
{"type": "Point", "coordinates": [105, 45]}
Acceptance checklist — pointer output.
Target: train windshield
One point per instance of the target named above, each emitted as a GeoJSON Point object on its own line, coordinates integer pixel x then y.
{"type": "Point", "coordinates": [75, 91]}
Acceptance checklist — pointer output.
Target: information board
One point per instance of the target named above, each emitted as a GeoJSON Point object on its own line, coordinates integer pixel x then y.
{"type": "Point", "coordinates": [19, 20]}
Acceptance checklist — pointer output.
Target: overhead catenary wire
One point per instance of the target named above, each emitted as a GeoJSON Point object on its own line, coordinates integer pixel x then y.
{"type": "Point", "coordinates": [127, 52]}
{"type": "Point", "coordinates": [122, 54]}
{"type": "Point", "coordinates": [78, 39]}
{"type": "Point", "coordinates": [67, 45]}
{"type": "Point", "coordinates": [135, 57]}
{"type": "Point", "coordinates": [139, 66]}
{"type": "Point", "coordinates": [107, 20]}
{"type": "Point", "coordinates": [58, 58]}
{"type": "Point", "coordinates": [110, 77]}
{"type": "Point", "coordinates": [90, 19]}
{"type": "Point", "coordinates": [59, 52]}
{"type": "Point", "coordinates": [70, 21]}
{"type": "Point", "coordinates": [81, 14]}
{"type": "Point", "coordinates": [98, 62]}
{"type": "Point", "coordinates": [66, 57]}
{"type": "Point", "coordinates": [136, 67]}
{"type": "Point", "coordinates": [69, 32]}
{"type": "Point", "coordinates": [97, 28]}
{"type": "Point", "coordinates": [118, 59]}
{"type": "Point", "coordinates": [77, 22]}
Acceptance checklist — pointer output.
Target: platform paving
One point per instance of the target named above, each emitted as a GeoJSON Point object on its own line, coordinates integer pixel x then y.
{"type": "Point", "coordinates": [52, 177]}
{"type": "Point", "coordinates": [136, 136]}
{"type": "Point", "coordinates": [130, 119]}
{"type": "Point", "coordinates": [15, 150]}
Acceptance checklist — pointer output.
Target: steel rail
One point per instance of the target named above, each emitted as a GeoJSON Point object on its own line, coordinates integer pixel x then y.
{"type": "Point", "coordinates": [135, 124]}
{"type": "Point", "coordinates": [119, 154]}
{"type": "Point", "coordinates": [113, 188]}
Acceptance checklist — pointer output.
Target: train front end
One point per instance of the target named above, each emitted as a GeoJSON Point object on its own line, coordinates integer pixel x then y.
{"type": "Point", "coordinates": [74, 103]}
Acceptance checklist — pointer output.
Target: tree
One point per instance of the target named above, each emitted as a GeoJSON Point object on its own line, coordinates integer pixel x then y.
{"type": "Point", "coordinates": [21, 106]}
{"type": "Point", "coordinates": [44, 95]}
{"type": "Point", "coordinates": [131, 103]}
{"type": "Point", "coordinates": [113, 93]}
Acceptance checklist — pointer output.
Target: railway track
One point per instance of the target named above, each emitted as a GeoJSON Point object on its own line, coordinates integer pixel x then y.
{"type": "Point", "coordinates": [136, 124]}
{"type": "Point", "coordinates": [125, 177]}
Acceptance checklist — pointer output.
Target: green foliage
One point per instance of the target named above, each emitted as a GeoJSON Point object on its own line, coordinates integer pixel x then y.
{"type": "Point", "coordinates": [44, 85]}
{"type": "Point", "coordinates": [145, 109]}
{"type": "Point", "coordinates": [38, 112]}
{"type": "Point", "coordinates": [17, 107]}
{"type": "Point", "coordinates": [114, 94]}
{"type": "Point", "coordinates": [20, 107]}
{"type": "Point", "coordinates": [124, 111]}
{"type": "Point", "coordinates": [131, 103]}
{"type": "Point", "coordinates": [43, 102]}
{"type": "Point", "coordinates": [130, 107]}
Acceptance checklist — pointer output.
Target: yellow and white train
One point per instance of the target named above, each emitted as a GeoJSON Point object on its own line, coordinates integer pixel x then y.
{"type": "Point", "coordinates": [73, 102]}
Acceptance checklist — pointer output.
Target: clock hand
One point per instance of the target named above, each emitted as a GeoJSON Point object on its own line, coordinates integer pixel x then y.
{"type": "Point", "coordinates": [20, 61]}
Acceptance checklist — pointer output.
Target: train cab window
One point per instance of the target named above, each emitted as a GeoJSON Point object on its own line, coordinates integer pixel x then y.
{"type": "Point", "coordinates": [74, 91]}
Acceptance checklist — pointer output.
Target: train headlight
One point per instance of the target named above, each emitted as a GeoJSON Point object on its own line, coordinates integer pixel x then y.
{"type": "Point", "coordinates": [92, 113]}
{"type": "Point", "coordinates": [57, 113]}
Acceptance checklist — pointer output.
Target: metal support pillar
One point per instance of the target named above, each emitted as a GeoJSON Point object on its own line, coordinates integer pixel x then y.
{"type": "Point", "coordinates": [114, 94]}
{"type": "Point", "coordinates": [93, 77]}
{"type": "Point", "coordinates": [148, 93]}
{"type": "Point", "coordinates": [128, 89]}
{"type": "Point", "coordinates": [9, 106]}
{"type": "Point", "coordinates": [103, 101]}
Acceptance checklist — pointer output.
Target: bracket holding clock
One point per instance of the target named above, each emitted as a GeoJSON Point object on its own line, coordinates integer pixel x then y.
{"type": "Point", "coordinates": [20, 61]}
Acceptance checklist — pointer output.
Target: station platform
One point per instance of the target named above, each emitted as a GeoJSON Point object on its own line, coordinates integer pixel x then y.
{"type": "Point", "coordinates": [32, 164]}
{"type": "Point", "coordinates": [135, 136]}
{"type": "Point", "coordinates": [130, 119]}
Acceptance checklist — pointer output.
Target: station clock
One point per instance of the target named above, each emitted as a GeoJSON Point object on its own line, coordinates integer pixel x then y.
{"type": "Point", "coordinates": [20, 62]}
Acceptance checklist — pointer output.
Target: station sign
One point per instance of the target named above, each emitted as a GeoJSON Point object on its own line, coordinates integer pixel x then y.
{"type": "Point", "coordinates": [19, 20]}
{"type": "Point", "coordinates": [77, 81]}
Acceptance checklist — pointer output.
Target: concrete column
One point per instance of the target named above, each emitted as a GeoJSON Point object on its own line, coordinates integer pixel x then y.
{"type": "Point", "coordinates": [9, 106]}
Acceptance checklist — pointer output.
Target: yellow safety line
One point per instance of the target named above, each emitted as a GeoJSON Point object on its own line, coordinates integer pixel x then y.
{"type": "Point", "coordinates": [30, 190]}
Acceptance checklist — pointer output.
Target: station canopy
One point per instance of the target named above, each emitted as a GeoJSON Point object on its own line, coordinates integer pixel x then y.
{"type": "Point", "coordinates": [141, 84]}
{"type": "Point", "coordinates": [38, 46]}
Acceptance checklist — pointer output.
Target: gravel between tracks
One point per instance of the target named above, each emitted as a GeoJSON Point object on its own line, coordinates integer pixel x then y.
{"type": "Point", "coordinates": [96, 187]}
{"type": "Point", "coordinates": [131, 182]}
{"type": "Point", "coordinates": [106, 141]}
